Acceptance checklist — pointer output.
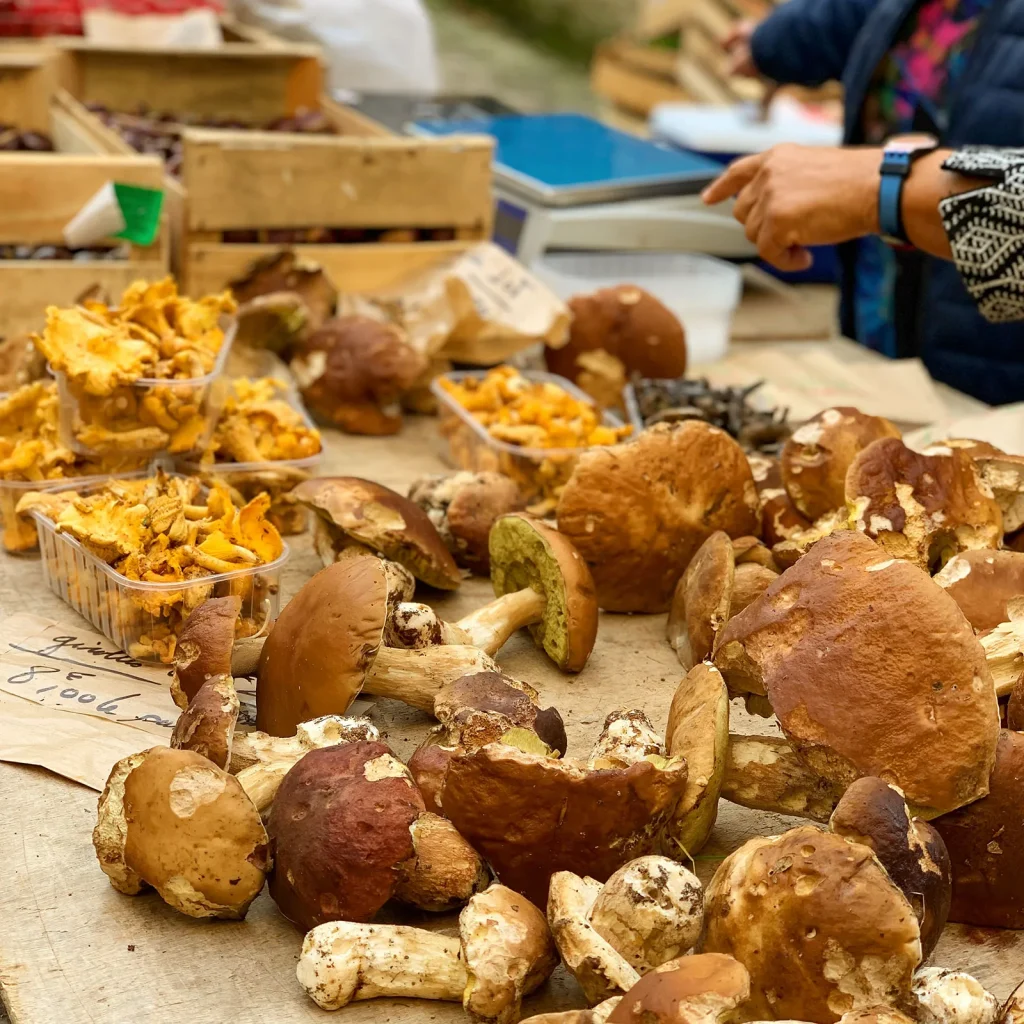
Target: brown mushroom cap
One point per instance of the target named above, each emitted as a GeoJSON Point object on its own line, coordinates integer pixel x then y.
{"type": "Point", "coordinates": [872, 670]}
{"type": "Point", "coordinates": [352, 372]}
{"type": "Point", "coordinates": [526, 554]}
{"type": "Point", "coordinates": [384, 521]}
{"type": "Point", "coordinates": [284, 272]}
{"type": "Point", "coordinates": [203, 650]}
{"type": "Point", "coordinates": [749, 583]}
{"type": "Point", "coordinates": [628, 323]}
{"type": "Point", "coordinates": [753, 550]}
{"type": "Point", "coordinates": [207, 726]}
{"type": "Point", "coordinates": [813, 917]}
{"type": "Point", "coordinates": [875, 814]}
{"type": "Point", "coordinates": [780, 518]}
{"type": "Point", "coordinates": [322, 646]}
{"type": "Point", "coordinates": [701, 989]}
{"type": "Point", "coordinates": [173, 820]}
{"type": "Point", "coordinates": [985, 584]}
{"type": "Point", "coordinates": [340, 833]}
{"type": "Point", "coordinates": [638, 512]}
{"type": "Point", "coordinates": [702, 600]}
{"type": "Point", "coordinates": [984, 840]}
{"type": "Point", "coordinates": [816, 457]}
{"type": "Point", "coordinates": [925, 508]}
{"type": "Point", "coordinates": [530, 816]}
{"type": "Point", "coordinates": [464, 506]}
{"type": "Point", "coordinates": [1015, 707]}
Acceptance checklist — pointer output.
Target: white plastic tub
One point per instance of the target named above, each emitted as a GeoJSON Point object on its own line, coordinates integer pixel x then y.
{"type": "Point", "coordinates": [701, 290]}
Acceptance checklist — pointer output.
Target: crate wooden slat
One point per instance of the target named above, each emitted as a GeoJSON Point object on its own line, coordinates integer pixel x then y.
{"type": "Point", "coordinates": [634, 77]}
{"type": "Point", "coordinates": [27, 81]}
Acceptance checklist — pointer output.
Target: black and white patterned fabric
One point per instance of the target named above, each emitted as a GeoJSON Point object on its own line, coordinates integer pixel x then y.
{"type": "Point", "coordinates": [986, 230]}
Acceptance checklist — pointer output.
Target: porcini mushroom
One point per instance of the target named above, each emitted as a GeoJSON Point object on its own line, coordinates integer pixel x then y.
{"type": "Point", "coordinates": [207, 725]}
{"type": "Point", "coordinates": [504, 953]}
{"type": "Point", "coordinates": [464, 506]}
{"type": "Point", "coordinates": [872, 670]}
{"type": "Point", "coordinates": [626, 738]}
{"type": "Point", "coordinates": [987, 585]}
{"type": "Point", "coordinates": [875, 814]}
{"type": "Point", "coordinates": [780, 518]}
{"type": "Point", "coordinates": [204, 647]}
{"type": "Point", "coordinates": [816, 457]}
{"type": "Point", "coordinates": [702, 600]}
{"type": "Point", "coordinates": [944, 996]}
{"type": "Point", "coordinates": [750, 581]}
{"type": "Point", "coordinates": [813, 917]}
{"type": "Point", "coordinates": [924, 508]}
{"type": "Point", "coordinates": [362, 512]}
{"type": "Point", "coordinates": [638, 512]}
{"type": "Point", "coordinates": [1003, 475]}
{"type": "Point", "coordinates": [172, 820]}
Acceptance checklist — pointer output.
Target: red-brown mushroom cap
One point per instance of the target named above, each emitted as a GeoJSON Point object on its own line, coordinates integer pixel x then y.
{"type": "Point", "coordinates": [207, 725]}
{"type": "Point", "coordinates": [780, 518]}
{"type": "Point", "coordinates": [322, 646]}
{"type": "Point", "coordinates": [203, 650]}
{"type": "Point", "coordinates": [875, 814]}
{"type": "Point", "coordinates": [527, 554]}
{"type": "Point", "coordinates": [530, 816]}
{"type": "Point", "coordinates": [925, 508]}
{"type": "Point", "coordinates": [986, 585]}
{"type": "Point", "coordinates": [702, 600]}
{"type": "Point", "coordinates": [284, 271]}
{"type": "Point", "coordinates": [384, 521]}
{"type": "Point", "coordinates": [340, 833]}
{"type": "Point", "coordinates": [813, 918]}
{"type": "Point", "coordinates": [638, 512]}
{"type": "Point", "coordinates": [985, 840]}
{"type": "Point", "coordinates": [816, 457]}
{"type": "Point", "coordinates": [872, 670]}
{"type": "Point", "coordinates": [628, 323]}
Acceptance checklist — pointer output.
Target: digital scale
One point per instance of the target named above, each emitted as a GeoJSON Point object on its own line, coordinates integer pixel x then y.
{"type": "Point", "coordinates": [567, 181]}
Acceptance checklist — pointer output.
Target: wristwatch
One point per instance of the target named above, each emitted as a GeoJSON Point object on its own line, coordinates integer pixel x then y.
{"type": "Point", "coordinates": [897, 160]}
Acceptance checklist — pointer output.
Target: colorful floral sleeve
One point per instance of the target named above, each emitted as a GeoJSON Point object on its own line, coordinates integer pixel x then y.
{"type": "Point", "coordinates": [986, 230]}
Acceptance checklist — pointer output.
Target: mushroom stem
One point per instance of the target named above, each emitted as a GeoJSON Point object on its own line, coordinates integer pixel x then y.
{"type": "Point", "coordinates": [262, 780]}
{"type": "Point", "coordinates": [766, 774]}
{"type": "Point", "coordinates": [343, 962]}
{"type": "Point", "coordinates": [1004, 653]}
{"type": "Point", "coordinates": [245, 654]}
{"type": "Point", "coordinates": [254, 748]}
{"type": "Point", "coordinates": [416, 676]}
{"type": "Point", "coordinates": [490, 627]}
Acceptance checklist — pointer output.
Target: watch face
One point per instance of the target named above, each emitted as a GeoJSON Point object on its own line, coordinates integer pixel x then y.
{"type": "Point", "coordinates": [911, 143]}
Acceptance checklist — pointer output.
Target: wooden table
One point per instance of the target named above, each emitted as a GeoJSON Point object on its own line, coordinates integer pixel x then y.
{"type": "Point", "coordinates": [74, 951]}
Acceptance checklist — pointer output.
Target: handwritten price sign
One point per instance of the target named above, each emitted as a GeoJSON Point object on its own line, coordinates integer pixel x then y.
{"type": "Point", "coordinates": [82, 673]}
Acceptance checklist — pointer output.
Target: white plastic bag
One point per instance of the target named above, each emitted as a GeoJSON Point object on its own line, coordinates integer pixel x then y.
{"type": "Point", "coordinates": [369, 45]}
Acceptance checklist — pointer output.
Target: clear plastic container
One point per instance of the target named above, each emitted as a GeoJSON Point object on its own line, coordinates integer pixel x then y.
{"type": "Point", "coordinates": [701, 290]}
{"type": "Point", "coordinates": [539, 472]}
{"type": "Point", "coordinates": [152, 417]}
{"type": "Point", "coordinates": [145, 618]}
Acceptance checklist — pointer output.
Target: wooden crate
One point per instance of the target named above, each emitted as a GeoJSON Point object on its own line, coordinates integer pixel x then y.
{"type": "Point", "coordinates": [27, 83]}
{"type": "Point", "coordinates": [634, 77]}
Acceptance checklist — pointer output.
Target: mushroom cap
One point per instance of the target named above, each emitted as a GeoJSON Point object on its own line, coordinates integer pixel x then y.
{"type": "Point", "coordinates": [872, 670]}
{"type": "Point", "coordinates": [753, 550]}
{"type": "Point", "coordinates": [283, 271]}
{"type": "Point", "coordinates": [530, 816]}
{"type": "Point", "coordinates": [628, 323]}
{"type": "Point", "coordinates": [924, 508]}
{"type": "Point", "coordinates": [1015, 707]}
{"type": "Point", "coordinates": [650, 911]}
{"type": "Point", "coordinates": [429, 766]}
{"type": "Point", "coordinates": [340, 833]}
{"type": "Point", "coordinates": [638, 512]}
{"type": "Point", "coordinates": [203, 650]}
{"type": "Point", "coordinates": [173, 820]}
{"type": "Point", "coordinates": [813, 918]}
{"type": "Point", "coordinates": [750, 581]}
{"type": "Point", "coordinates": [817, 455]}
{"type": "Point", "coordinates": [984, 840]}
{"type": "Point", "coordinates": [508, 951]}
{"type": "Point", "coordinates": [385, 522]}
{"type": "Point", "coordinates": [701, 989]}
{"type": "Point", "coordinates": [463, 506]}
{"type": "Point", "coordinates": [945, 996]}
{"type": "Point", "coordinates": [322, 646]}
{"type": "Point", "coordinates": [207, 726]}
{"type": "Point", "coordinates": [626, 737]}
{"type": "Point", "coordinates": [780, 518]}
{"type": "Point", "coordinates": [985, 584]}
{"type": "Point", "coordinates": [702, 600]}
{"type": "Point", "coordinates": [352, 372]}
{"type": "Point", "coordinates": [875, 1015]}
{"type": "Point", "coordinates": [875, 814]}
{"type": "Point", "coordinates": [525, 553]}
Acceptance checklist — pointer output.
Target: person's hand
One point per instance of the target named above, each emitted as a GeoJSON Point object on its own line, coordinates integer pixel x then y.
{"type": "Point", "coordinates": [792, 197]}
{"type": "Point", "coordinates": [737, 45]}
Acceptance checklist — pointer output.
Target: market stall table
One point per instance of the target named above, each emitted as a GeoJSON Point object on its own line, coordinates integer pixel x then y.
{"type": "Point", "coordinates": [72, 950]}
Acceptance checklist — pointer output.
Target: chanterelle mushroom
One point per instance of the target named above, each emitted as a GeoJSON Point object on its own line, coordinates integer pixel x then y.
{"type": "Point", "coordinates": [816, 457]}
{"type": "Point", "coordinates": [464, 506]}
{"type": "Point", "coordinates": [987, 585]}
{"type": "Point", "coordinates": [875, 814]}
{"type": "Point", "coordinates": [173, 820]}
{"type": "Point", "coordinates": [381, 520]}
{"type": "Point", "coordinates": [872, 670]}
{"type": "Point", "coordinates": [504, 953]}
{"type": "Point", "coordinates": [944, 996]}
{"type": "Point", "coordinates": [638, 512]}
{"type": "Point", "coordinates": [818, 923]}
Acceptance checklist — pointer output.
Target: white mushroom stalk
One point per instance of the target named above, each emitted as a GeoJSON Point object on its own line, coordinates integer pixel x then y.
{"type": "Point", "coordinates": [945, 996]}
{"type": "Point", "coordinates": [416, 676]}
{"type": "Point", "coordinates": [251, 749]}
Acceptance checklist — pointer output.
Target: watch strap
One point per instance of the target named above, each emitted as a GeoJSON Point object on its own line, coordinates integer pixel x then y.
{"type": "Point", "coordinates": [890, 214]}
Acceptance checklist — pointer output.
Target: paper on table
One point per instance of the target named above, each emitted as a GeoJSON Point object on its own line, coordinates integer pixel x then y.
{"type": "Point", "coordinates": [1003, 427]}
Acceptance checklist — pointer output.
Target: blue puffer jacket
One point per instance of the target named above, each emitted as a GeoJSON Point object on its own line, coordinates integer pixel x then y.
{"type": "Point", "coordinates": [807, 42]}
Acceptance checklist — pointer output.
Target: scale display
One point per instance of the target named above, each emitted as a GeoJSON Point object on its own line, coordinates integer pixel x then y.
{"type": "Point", "coordinates": [572, 159]}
